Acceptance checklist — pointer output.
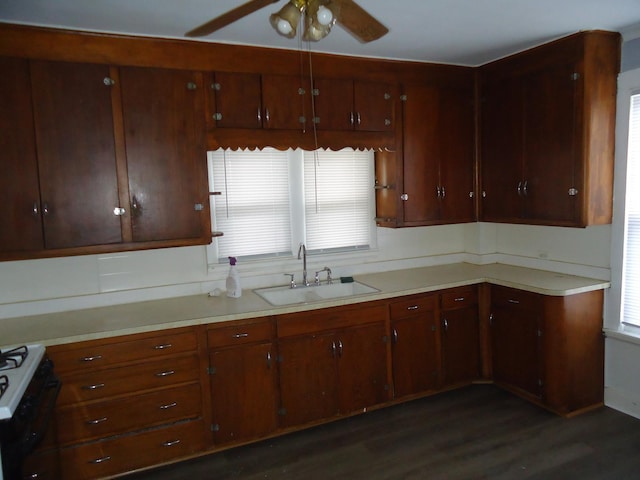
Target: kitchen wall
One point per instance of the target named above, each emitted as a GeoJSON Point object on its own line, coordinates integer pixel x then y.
{"type": "Point", "coordinates": [47, 285]}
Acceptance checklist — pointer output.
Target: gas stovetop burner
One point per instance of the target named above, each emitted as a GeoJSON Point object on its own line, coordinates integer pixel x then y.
{"type": "Point", "coordinates": [13, 358]}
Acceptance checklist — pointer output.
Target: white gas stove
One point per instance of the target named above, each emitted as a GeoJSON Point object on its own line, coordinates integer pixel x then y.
{"type": "Point", "coordinates": [17, 367]}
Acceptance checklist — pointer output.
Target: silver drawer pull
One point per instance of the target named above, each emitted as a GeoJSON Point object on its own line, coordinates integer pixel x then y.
{"type": "Point", "coordinates": [511, 300]}
{"type": "Point", "coordinates": [459, 299]}
{"type": "Point", "coordinates": [165, 374]}
{"type": "Point", "coordinates": [92, 358]}
{"type": "Point", "coordinates": [96, 421]}
{"type": "Point", "coordinates": [413, 307]}
{"type": "Point", "coordinates": [95, 386]}
{"type": "Point", "coordinates": [100, 460]}
{"type": "Point", "coordinates": [163, 346]}
{"type": "Point", "coordinates": [171, 443]}
{"type": "Point", "coordinates": [168, 406]}
{"type": "Point", "coordinates": [240, 335]}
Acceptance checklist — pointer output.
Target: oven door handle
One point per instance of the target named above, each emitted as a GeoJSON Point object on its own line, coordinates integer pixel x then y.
{"type": "Point", "coordinates": [32, 439]}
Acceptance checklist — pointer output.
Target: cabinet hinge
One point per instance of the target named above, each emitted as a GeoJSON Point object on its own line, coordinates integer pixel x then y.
{"type": "Point", "coordinates": [211, 370]}
{"type": "Point", "coordinates": [539, 332]}
{"type": "Point", "coordinates": [387, 387]}
{"type": "Point", "coordinates": [573, 192]}
{"type": "Point", "coordinates": [301, 91]}
{"type": "Point", "coordinates": [540, 382]}
{"type": "Point", "coordinates": [109, 82]}
{"type": "Point", "coordinates": [215, 86]}
{"type": "Point", "coordinates": [575, 76]}
{"type": "Point", "coordinates": [198, 207]}
{"type": "Point", "coordinates": [191, 86]}
{"type": "Point", "coordinates": [302, 119]}
{"type": "Point", "coordinates": [385, 339]}
{"type": "Point", "coordinates": [315, 92]}
{"type": "Point", "coordinates": [279, 359]}
{"type": "Point", "coordinates": [387, 96]}
{"type": "Point", "coordinates": [215, 427]}
{"type": "Point", "coordinates": [403, 98]}
{"type": "Point", "coordinates": [217, 116]}
{"type": "Point", "coordinates": [316, 120]}
{"type": "Point", "coordinates": [282, 411]}
{"type": "Point", "coordinates": [404, 197]}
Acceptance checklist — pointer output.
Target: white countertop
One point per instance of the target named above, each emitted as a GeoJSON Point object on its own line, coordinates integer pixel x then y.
{"type": "Point", "coordinates": [102, 322]}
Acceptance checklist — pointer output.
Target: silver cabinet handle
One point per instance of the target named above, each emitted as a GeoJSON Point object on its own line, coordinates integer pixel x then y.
{"type": "Point", "coordinates": [163, 346]}
{"type": "Point", "coordinates": [395, 335]}
{"type": "Point", "coordinates": [267, 116]}
{"type": "Point", "coordinates": [165, 374]}
{"type": "Point", "coordinates": [413, 307]}
{"type": "Point", "coordinates": [524, 188]}
{"type": "Point", "coordinates": [445, 323]}
{"type": "Point", "coordinates": [269, 360]}
{"type": "Point", "coordinates": [119, 211]}
{"type": "Point", "coordinates": [170, 443]}
{"type": "Point", "coordinates": [168, 406]}
{"type": "Point", "coordinates": [333, 349]}
{"type": "Point", "coordinates": [96, 421]}
{"type": "Point", "coordinates": [358, 119]}
{"type": "Point", "coordinates": [340, 348]}
{"type": "Point", "coordinates": [515, 302]}
{"type": "Point", "coordinates": [351, 119]}
{"type": "Point", "coordinates": [45, 208]}
{"type": "Point", "coordinates": [100, 460]}
{"type": "Point", "coordinates": [459, 299]}
{"type": "Point", "coordinates": [519, 189]}
{"type": "Point", "coordinates": [91, 358]}
{"type": "Point", "coordinates": [240, 335]}
{"type": "Point", "coordinates": [35, 210]}
{"type": "Point", "coordinates": [95, 386]}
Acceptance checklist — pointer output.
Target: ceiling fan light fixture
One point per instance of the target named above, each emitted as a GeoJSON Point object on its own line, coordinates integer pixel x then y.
{"type": "Point", "coordinates": [320, 16]}
{"type": "Point", "coordinates": [286, 20]}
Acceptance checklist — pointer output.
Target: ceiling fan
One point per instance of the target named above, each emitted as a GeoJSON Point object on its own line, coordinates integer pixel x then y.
{"type": "Point", "coordinates": [319, 16]}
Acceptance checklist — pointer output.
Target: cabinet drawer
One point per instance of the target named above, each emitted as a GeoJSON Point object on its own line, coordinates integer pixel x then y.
{"type": "Point", "coordinates": [42, 465]}
{"type": "Point", "coordinates": [329, 319]}
{"type": "Point", "coordinates": [113, 417]}
{"type": "Point", "coordinates": [240, 334]}
{"type": "Point", "coordinates": [130, 452]}
{"type": "Point", "coordinates": [134, 378]}
{"type": "Point", "coordinates": [86, 356]}
{"type": "Point", "coordinates": [459, 298]}
{"type": "Point", "coordinates": [412, 305]}
{"type": "Point", "coordinates": [504, 296]}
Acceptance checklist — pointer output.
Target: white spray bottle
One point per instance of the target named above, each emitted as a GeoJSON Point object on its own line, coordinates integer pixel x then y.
{"type": "Point", "coordinates": [233, 280]}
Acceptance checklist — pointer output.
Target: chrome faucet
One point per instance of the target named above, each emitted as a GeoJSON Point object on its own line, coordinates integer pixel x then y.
{"type": "Point", "coordinates": [303, 250]}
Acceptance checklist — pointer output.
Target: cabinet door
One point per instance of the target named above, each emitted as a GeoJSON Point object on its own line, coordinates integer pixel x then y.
{"type": "Point", "coordinates": [501, 154]}
{"type": "Point", "coordinates": [166, 158]}
{"type": "Point", "coordinates": [308, 386]}
{"type": "Point", "coordinates": [237, 100]}
{"type": "Point", "coordinates": [362, 367]}
{"type": "Point", "coordinates": [76, 154]}
{"type": "Point", "coordinates": [460, 345]}
{"type": "Point", "coordinates": [243, 392]}
{"type": "Point", "coordinates": [285, 102]}
{"type": "Point", "coordinates": [421, 169]}
{"type": "Point", "coordinates": [415, 354]}
{"type": "Point", "coordinates": [456, 155]}
{"type": "Point", "coordinates": [373, 106]}
{"type": "Point", "coordinates": [333, 103]}
{"type": "Point", "coordinates": [551, 145]}
{"type": "Point", "coordinates": [19, 191]}
{"type": "Point", "coordinates": [516, 347]}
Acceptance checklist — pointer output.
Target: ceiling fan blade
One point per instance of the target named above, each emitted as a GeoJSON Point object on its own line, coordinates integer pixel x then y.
{"type": "Point", "coordinates": [229, 17]}
{"type": "Point", "coordinates": [358, 21]}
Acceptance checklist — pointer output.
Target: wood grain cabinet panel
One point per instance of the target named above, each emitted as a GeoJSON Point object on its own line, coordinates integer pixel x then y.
{"type": "Point", "coordinates": [415, 345]}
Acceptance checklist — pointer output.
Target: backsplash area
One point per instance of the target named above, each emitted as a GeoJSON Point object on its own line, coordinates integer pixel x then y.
{"type": "Point", "coordinates": [48, 285]}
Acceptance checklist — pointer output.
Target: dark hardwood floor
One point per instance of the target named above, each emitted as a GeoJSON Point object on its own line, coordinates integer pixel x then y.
{"type": "Point", "coordinates": [478, 432]}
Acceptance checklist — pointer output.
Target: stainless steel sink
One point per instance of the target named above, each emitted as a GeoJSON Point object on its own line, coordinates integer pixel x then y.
{"type": "Point", "coordinates": [285, 295]}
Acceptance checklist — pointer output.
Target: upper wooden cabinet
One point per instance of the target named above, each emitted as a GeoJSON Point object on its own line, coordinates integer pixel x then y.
{"type": "Point", "coordinates": [345, 104]}
{"type": "Point", "coordinates": [163, 113]}
{"type": "Point", "coordinates": [101, 159]}
{"type": "Point", "coordinates": [547, 124]}
{"type": "Point", "coordinates": [438, 155]}
{"type": "Point", "coordinates": [251, 100]}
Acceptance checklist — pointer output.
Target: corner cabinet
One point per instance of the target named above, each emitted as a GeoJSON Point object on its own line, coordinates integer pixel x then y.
{"type": "Point", "coordinates": [93, 170]}
{"type": "Point", "coordinates": [547, 120]}
{"type": "Point", "coordinates": [549, 349]}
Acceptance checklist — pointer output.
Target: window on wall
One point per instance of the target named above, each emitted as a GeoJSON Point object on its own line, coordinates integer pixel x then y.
{"type": "Point", "coordinates": [631, 263]}
{"type": "Point", "coordinates": [270, 201]}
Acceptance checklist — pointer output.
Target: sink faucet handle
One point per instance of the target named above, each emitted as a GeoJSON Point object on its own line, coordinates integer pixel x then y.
{"type": "Point", "coordinates": [292, 283]}
{"type": "Point", "coordinates": [329, 279]}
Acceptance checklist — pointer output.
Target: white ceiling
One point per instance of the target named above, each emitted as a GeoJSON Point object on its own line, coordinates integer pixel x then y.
{"type": "Point", "coordinates": [461, 32]}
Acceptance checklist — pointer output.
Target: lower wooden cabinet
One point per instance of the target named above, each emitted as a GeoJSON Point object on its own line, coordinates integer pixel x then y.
{"type": "Point", "coordinates": [130, 452]}
{"type": "Point", "coordinates": [460, 333]}
{"type": "Point", "coordinates": [549, 349]}
{"type": "Point", "coordinates": [332, 362]}
{"type": "Point", "coordinates": [415, 345]}
{"type": "Point", "coordinates": [243, 381]}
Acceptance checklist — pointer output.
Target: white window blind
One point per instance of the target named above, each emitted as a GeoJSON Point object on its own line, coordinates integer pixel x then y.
{"type": "Point", "coordinates": [337, 188]}
{"type": "Point", "coordinates": [253, 208]}
{"type": "Point", "coordinates": [270, 201]}
{"type": "Point", "coordinates": [631, 269]}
